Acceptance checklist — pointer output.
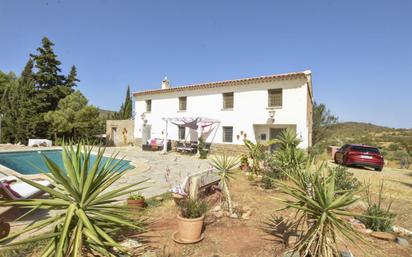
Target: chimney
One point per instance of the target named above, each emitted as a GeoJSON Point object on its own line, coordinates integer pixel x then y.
{"type": "Point", "coordinates": [165, 83]}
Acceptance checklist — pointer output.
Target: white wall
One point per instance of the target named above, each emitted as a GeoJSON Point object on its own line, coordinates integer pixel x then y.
{"type": "Point", "coordinates": [250, 107]}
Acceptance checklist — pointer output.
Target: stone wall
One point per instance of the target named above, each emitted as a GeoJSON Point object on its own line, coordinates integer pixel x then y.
{"type": "Point", "coordinates": [120, 132]}
{"type": "Point", "coordinates": [230, 149]}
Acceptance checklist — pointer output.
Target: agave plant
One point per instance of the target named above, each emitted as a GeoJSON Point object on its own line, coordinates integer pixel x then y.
{"type": "Point", "coordinates": [320, 212]}
{"type": "Point", "coordinates": [226, 165]}
{"type": "Point", "coordinates": [88, 214]}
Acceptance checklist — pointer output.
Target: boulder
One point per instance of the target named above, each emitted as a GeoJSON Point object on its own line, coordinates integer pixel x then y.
{"type": "Point", "coordinates": [358, 205]}
{"type": "Point", "coordinates": [402, 231]}
{"type": "Point", "coordinates": [383, 235]}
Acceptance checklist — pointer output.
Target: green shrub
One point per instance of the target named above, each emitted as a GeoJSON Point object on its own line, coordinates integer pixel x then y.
{"type": "Point", "coordinates": [344, 180]}
{"type": "Point", "coordinates": [375, 217]}
{"type": "Point", "coordinates": [136, 197]}
{"type": "Point", "coordinates": [191, 209]}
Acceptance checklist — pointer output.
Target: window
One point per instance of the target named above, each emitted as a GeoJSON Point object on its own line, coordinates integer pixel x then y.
{"type": "Point", "coordinates": [228, 100]}
{"type": "Point", "coordinates": [148, 105]}
{"type": "Point", "coordinates": [182, 133]}
{"type": "Point", "coordinates": [227, 134]}
{"type": "Point", "coordinates": [182, 103]}
{"type": "Point", "coordinates": [275, 97]}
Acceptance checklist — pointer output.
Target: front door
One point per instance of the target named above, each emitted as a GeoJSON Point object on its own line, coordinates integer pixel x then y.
{"type": "Point", "coordinates": [274, 134]}
{"type": "Point", "coordinates": [146, 133]}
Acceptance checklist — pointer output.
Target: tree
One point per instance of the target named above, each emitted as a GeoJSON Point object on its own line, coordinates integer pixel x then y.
{"type": "Point", "coordinates": [126, 109]}
{"type": "Point", "coordinates": [74, 118]}
{"type": "Point", "coordinates": [48, 78]}
{"type": "Point", "coordinates": [321, 119]}
{"type": "Point", "coordinates": [27, 73]}
{"type": "Point", "coordinates": [19, 111]}
{"type": "Point", "coordinates": [72, 78]}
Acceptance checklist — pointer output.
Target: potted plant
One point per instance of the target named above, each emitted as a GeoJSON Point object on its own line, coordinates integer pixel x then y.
{"type": "Point", "coordinates": [190, 221]}
{"type": "Point", "coordinates": [136, 201]}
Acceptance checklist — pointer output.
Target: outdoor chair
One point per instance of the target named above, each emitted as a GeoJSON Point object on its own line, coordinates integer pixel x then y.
{"type": "Point", "coordinates": [12, 188]}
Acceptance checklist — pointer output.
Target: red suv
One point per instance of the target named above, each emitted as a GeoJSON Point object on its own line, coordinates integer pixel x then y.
{"type": "Point", "coordinates": [360, 155]}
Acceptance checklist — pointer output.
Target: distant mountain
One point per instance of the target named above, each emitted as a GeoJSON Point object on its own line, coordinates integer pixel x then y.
{"type": "Point", "coordinates": [106, 114]}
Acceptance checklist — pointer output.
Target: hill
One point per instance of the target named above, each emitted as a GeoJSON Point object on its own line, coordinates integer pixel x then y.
{"type": "Point", "coordinates": [389, 140]}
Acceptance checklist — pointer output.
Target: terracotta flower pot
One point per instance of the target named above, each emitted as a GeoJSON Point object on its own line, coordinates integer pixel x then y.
{"type": "Point", "coordinates": [190, 230]}
{"type": "Point", "coordinates": [136, 204]}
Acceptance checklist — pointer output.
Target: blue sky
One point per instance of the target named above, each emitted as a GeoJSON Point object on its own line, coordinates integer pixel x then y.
{"type": "Point", "coordinates": [360, 52]}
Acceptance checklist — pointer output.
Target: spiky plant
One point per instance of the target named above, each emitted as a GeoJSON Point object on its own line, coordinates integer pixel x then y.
{"type": "Point", "coordinates": [320, 212]}
{"type": "Point", "coordinates": [225, 166]}
{"type": "Point", "coordinates": [88, 213]}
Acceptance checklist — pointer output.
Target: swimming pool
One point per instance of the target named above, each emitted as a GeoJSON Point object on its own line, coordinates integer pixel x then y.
{"type": "Point", "coordinates": [31, 162]}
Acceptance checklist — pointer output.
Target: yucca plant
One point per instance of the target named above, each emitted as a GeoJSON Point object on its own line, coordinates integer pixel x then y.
{"type": "Point", "coordinates": [225, 166]}
{"type": "Point", "coordinates": [320, 212]}
{"type": "Point", "coordinates": [88, 214]}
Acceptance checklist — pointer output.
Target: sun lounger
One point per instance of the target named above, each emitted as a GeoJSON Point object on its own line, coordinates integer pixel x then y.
{"type": "Point", "coordinates": [12, 188]}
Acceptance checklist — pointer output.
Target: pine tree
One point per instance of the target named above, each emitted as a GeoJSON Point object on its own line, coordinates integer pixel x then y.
{"type": "Point", "coordinates": [72, 78]}
{"type": "Point", "coordinates": [27, 73]}
{"type": "Point", "coordinates": [48, 66]}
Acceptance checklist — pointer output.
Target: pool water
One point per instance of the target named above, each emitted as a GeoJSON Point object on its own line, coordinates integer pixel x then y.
{"type": "Point", "coordinates": [31, 162]}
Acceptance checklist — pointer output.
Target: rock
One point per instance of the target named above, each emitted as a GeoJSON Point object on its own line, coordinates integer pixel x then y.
{"type": "Point", "coordinates": [383, 235]}
{"type": "Point", "coordinates": [247, 214]}
{"type": "Point", "coordinates": [233, 216]}
{"type": "Point", "coordinates": [292, 240]}
{"type": "Point", "coordinates": [402, 241]}
{"type": "Point", "coordinates": [218, 214]}
{"type": "Point", "coordinates": [402, 231]}
{"type": "Point", "coordinates": [291, 254]}
{"type": "Point", "coordinates": [217, 208]}
{"type": "Point", "coordinates": [365, 231]}
{"type": "Point", "coordinates": [131, 244]}
{"type": "Point", "coordinates": [346, 254]}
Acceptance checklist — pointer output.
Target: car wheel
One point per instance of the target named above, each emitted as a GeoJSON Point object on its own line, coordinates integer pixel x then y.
{"type": "Point", "coordinates": [378, 169]}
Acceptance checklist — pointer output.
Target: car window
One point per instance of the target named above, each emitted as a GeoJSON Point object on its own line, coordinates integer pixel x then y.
{"type": "Point", "coordinates": [364, 149]}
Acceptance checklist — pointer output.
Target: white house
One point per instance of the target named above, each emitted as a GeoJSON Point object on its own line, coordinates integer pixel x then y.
{"type": "Point", "coordinates": [257, 108]}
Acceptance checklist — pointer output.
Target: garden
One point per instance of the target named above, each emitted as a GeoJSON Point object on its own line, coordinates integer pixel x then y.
{"type": "Point", "coordinates": [257, 204]}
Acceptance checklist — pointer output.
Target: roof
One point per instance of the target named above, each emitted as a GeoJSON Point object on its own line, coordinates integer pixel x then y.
{"type": "Point", "coordinates": [236, 82]}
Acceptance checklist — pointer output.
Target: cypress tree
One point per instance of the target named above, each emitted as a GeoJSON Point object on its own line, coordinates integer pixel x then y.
{"type": "Point", "coordinates": [126, 110]}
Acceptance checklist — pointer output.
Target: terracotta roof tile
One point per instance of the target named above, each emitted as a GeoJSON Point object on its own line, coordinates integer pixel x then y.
{"type": "Point", "coordinates": [284, 76]}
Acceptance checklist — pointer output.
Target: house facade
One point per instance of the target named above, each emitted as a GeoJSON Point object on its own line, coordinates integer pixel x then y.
{"type": "Point", "coordinates": [257, 108]}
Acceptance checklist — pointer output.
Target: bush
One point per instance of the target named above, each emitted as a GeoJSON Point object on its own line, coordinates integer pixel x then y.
{"type": "Point", "coordinates": [192, 209]}
{"type": "Point", "coordinates": [344, 180]}
{"type": "Point", "coordinates": [379, 220]}
{"type": "Point", "coordinates": [375, 217]}
{"type": "Point", "coordinates": [202, 148]}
